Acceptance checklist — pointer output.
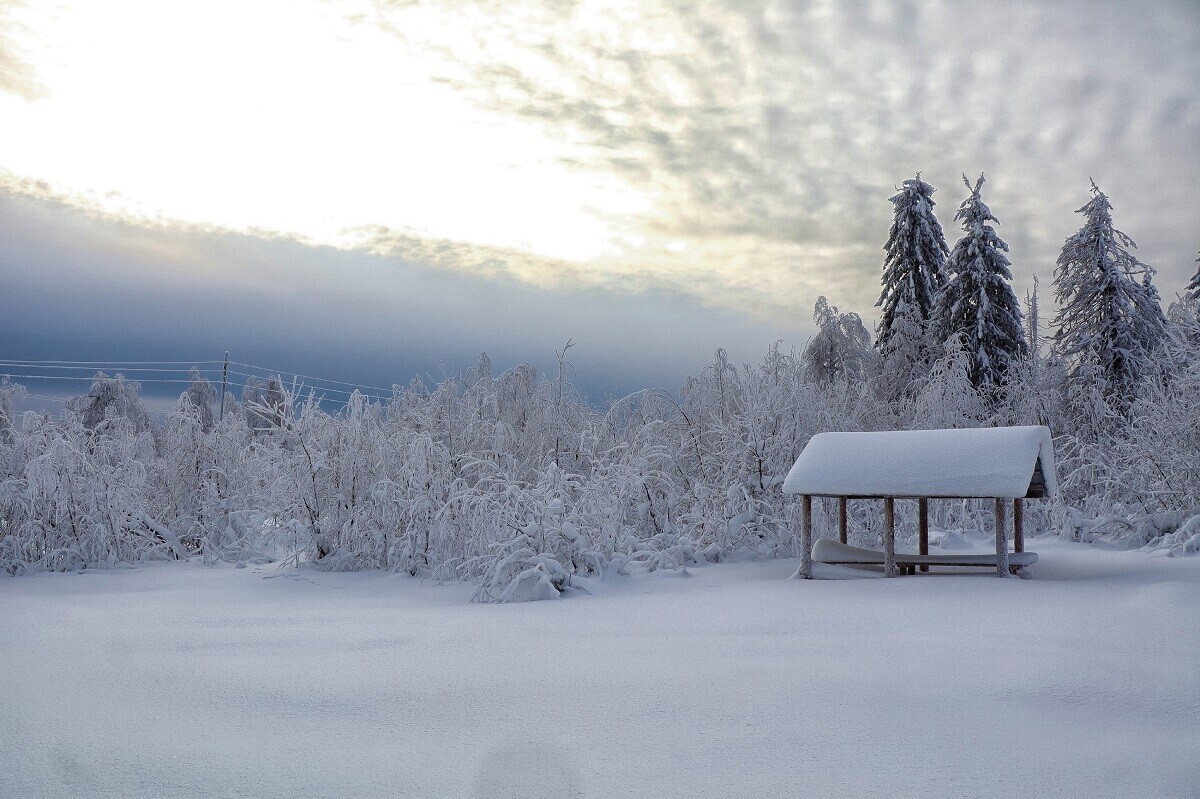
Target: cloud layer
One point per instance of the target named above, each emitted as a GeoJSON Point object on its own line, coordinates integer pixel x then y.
{"type": "Point", "coordinates": [86, 287]}
{"type": "Point", "coordinates": [459, 176]}
{"type": "Point", "coordinates": [772, 132]}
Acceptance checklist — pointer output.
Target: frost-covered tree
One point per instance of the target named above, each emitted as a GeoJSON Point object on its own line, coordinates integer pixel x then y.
{"type": "Point", "coordinates": [948, 397]}
{"type": "Point", "coordinates": [1193, 288]}
{"type": "Point", "coordinates": [110, 399]}
{"type": "Point", "coordinates": [198, 400]}
{"type": "Point", "coordinates": [914, 266]}
{"type": "Point", "coordinates": [1109, 314]}
{"type": "Point", "coordinates": [841, 349]}
{"type": "Point", "coordinates": [268, 404]}
{"type": "Point", "coordinates": [10, 393]}
{"type": "Point", "coordinates": [907, 355]}
{"type": "Point", "coordinates": [978, 304]}
{"type": "Point", "coordinates": [1034, 331]}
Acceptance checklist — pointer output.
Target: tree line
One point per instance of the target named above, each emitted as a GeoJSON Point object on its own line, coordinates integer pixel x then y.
{"type": "Point", "coordinates": [516, 482]}
{"type": "Point", "coordinates": [1110, 323]}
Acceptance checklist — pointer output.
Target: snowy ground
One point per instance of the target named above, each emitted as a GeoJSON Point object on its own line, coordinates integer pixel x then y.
{"type": "Point", "coordinates": [181, 680]}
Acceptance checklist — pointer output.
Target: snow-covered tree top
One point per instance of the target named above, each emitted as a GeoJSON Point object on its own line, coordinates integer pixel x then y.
{"type": "Point", "coordinates": [1101, 243]}
{"type": "Point", "coordinates": [1109, 313]}
{"type": "Point", "coordinates": [978, 304]}
{"type": "Point", "coordinates": [975, 214]}
{"type": "Point", "coordinates": [913, 270]}
{"type": "Point", "coordinates": [976, 462]}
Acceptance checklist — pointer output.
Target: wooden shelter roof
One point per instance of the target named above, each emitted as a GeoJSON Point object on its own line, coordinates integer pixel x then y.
{"type": "Point", "coordinates": [984, 462]}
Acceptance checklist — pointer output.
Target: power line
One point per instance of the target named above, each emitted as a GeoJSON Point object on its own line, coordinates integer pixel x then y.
{"type": "Point", "coordinates": [27, 365]}
{"type": "Point", "coordinates": [88, 379]}
{"type": "Point", "coordinates": [149, 380]}
{"type": "Point", "coordinates": [317, 388]}
{"type": "Point", "coordinates": [43, 397]}
{"type": "Point", "coordinates": [115, 363]}
{"type": "Point", "coordinates": [311, 377]}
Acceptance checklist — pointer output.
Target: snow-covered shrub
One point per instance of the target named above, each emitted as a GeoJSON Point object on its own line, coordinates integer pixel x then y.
{"type": "Point", "coordinates": [522, 574]}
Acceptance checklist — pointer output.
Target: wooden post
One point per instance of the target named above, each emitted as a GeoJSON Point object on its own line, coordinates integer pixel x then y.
{"type": "Point", "coordinates": [1018, 526]}
{"type": "Point", "coordinates": [842, 519]}
{"type": "Point", "coordinates": [923, 528]}
{"type": "Point", "coordinates": [806, 539]}
{"type": "Point", "coordinates": [889, 537]}
{"type": "Point", "coordinates": [1001, 539]}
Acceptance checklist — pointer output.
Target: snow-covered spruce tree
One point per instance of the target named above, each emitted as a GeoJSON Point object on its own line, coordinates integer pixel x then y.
{"type": "Point", "coordinates": [977, 304]}
{"type": "Point", "coordinates": [913, 274]}
{"type": "Point", "coordinates": [914, 267]}
{"type": "Point", "coordinates": [1183, 318]}
{"type": "Point", "coordinates": [841, 349]}
{"type": "Point", "coordinates": [1109, 314]}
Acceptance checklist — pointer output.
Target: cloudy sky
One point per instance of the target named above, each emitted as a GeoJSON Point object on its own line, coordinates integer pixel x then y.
{"type": "Point", "coordinates": [373, 190]}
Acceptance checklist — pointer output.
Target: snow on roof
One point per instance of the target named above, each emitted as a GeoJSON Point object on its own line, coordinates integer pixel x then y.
{"type": "Point", "coordinates": [977, 462]}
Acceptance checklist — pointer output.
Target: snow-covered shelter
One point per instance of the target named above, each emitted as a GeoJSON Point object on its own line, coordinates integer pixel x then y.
{"type": "Point", "coordinates": [1007, 464]}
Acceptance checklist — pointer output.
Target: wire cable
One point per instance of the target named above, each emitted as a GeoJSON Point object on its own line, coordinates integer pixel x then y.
{"type": "Point", "coordinates": [122, 369]}
{"type": "Point", "coordinates": [319, 389]}
{"type": "Point", "coordinates": [117, 363]}
{"type": "Point", "coordinates": [212, 373]}
{"type": "Point", "coordinates": [87, 379]}
{"type": "Point", "coordinates": [44, 397]}
{"type": "Point", "coordinates": [152, 380]}
{"type": "Point", "coordinates": [310, 377]}
{"type": "Point", "coordinates": [130, 366]}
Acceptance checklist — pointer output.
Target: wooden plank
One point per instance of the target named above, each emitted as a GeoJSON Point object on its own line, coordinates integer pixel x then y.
{"type": "Point", "coordinates": [1001, 538]}
{"type": "Point", "coordinates": [806, 539]}
{"type": "Point", "coordinates": [889, 537]}
{"type": "Point", "coordinates": [1018, 526]}
{"type": "Point", "coordinates": [842, 524]}
{"type": "Point", "coordinates": [904, 563]}
{"type": "Point", "coordinates": [829, 551]}
{"type": "Point", "coordinates": [923, 527]}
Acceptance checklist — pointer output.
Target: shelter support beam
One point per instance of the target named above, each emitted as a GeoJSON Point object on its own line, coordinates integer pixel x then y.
{"type": "Point", "coordinates": [889, 537]}
{"type": "Point", "coordinates": [1018, 526]}
{"type": "Point", "coordinates": [842, 520]}
{"type": "Point", "coordinates": [1001, 538]}
{"type": "Point", "coordinates": [923, 528]}
{"type": "Point", "coordinates": [806, 537]}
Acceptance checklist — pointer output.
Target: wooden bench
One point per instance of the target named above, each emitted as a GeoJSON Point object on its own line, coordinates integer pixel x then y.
{"type": "Point", "coordinates": [827, 550]}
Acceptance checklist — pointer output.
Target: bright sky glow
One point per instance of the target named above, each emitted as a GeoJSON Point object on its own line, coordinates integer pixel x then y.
{"type": "Point", "coordinates": [304, 122]}
{"type": "Point", "coordinates": [738, 153]}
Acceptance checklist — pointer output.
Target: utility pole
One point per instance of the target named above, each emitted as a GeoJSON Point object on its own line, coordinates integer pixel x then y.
{"type": "Point", "coordinates": [224, 379]}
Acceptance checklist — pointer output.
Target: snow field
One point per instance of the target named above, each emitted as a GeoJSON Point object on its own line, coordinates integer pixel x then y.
{"type": "Point", "coordinates": [730, 680]}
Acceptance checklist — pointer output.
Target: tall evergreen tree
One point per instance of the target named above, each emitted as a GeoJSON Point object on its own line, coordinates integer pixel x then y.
{"type": "Point", "coordinates": [978, 304]}
{"type": "Point", "coordinates": [1109, 316]}
{"type": "Point", "coordinates": [1193, 288]}
{"type": "Point", "coordinates": [914, 267]}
